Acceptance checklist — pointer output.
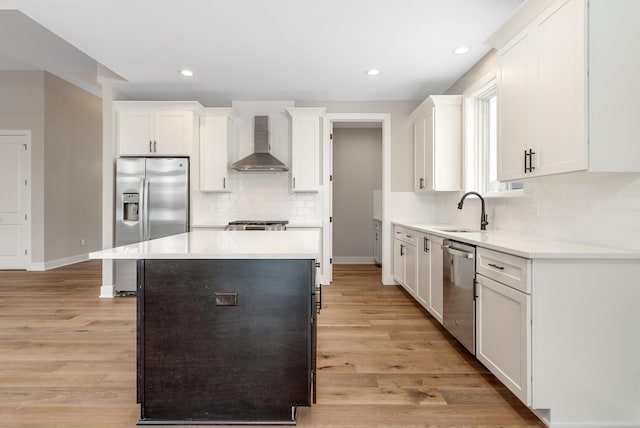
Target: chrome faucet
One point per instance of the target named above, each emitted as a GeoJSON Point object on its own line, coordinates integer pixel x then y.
{"type": "Point", "coordinates": [483, 215]}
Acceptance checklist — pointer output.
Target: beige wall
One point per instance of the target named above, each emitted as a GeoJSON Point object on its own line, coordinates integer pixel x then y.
{"type": "Point", "coordinates": [65, 124]}
{"type": "Point", "coordinates": [357, 172]}
{"type": "Point", "coordinates": [401, 133]}
{"type": "Point", "coordinates": [73, 170]}
{"type": "Point", "coordinates": [22, 108]}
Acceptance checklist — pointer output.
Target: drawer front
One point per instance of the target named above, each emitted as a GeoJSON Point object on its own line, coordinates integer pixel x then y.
{"type": "Point", "coordinates": [510, 270]}
{"type": "Point", "coordinates": [406, 235]}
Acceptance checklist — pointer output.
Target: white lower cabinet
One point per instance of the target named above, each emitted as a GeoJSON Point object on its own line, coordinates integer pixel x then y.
{"type": "Point", "coordinates": [429, 274]}
{"type": "Point", "coordinates": [556, 331]}
{"type": "Point", "coordinates": [503, 319]}
{"type": "Point", "coordinates": [410, 268]}
{"type": "Point", "coordinates": [503, 335]}
{"type": "Point", "coordinates": [435, 281]}
{"type": "Point", "coordinates": [405, 258]}
{"type": "Point", "coordinates": [424, 270]}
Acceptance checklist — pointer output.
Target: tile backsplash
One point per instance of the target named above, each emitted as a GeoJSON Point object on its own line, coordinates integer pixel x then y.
{"type": "Point", "coordinates": [599, 209]}
{"type": "Point", "coordinates": [257, 196]}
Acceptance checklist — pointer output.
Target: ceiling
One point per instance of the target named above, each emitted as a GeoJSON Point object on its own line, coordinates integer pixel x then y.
{"type": "Point", "coordinates": [252, 49]}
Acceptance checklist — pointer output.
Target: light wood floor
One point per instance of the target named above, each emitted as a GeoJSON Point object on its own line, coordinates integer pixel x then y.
{"type": "Point", "coordinates": [67, 358]}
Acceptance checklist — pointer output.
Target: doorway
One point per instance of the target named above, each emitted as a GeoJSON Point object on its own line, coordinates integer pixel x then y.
{"type": "Point", "coordinates": [15, 199]}
{"type": "Point", "coordinates": [357, 186]}
{"type": "Point", "coordinates": [384, 119]}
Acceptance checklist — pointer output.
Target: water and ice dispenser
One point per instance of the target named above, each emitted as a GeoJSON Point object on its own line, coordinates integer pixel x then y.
{"type": "Point", "coordinates": [131, 203]}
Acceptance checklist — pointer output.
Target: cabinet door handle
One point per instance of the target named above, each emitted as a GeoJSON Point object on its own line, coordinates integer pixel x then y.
{"type": "Point", "coordinates": [319, 301]}
{"type": "Point", "coordinates": [421, 183]}
{"type": "Point", "coordinates": [224, 182]}
{"type": "Point", "coordinates": [529, 155]}
{"type": "Point", "coordinates": [401, 250]}
{"type": "Point", "coordinates": [408, 236]}
{"type": "Point", "coordinates": [155, 146]}
{"type": "Point", "coordinates": [150, 146]}
{"type": "Point", "coordinates": [426, 245]}
{"type": "Point", "coordinates": [294, 182]}
{"type": "Point", "coordinates": [493, 265]}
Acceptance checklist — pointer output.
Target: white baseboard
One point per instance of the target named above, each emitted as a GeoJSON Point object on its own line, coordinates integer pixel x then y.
{"type": "Point", "coordinates": [52, 264]}
{"type": "Point", "coordinates": [107, 291]}
{"type": "Point", "coordinates": [353, 261]}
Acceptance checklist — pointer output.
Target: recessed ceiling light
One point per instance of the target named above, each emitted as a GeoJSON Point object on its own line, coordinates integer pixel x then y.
{"type": "Point", "coordinates": [186, 73]}
{"type": "Point", "coordinates": [461, 50]}
{"type": "Point", "coordinates": [373, 72]}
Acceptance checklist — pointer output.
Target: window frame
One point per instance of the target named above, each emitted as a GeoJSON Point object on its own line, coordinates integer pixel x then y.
{"type": "Point", "coordinates": [474, 106]}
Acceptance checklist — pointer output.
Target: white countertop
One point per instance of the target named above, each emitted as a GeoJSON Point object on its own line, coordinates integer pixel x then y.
{"type": "Point", "coordinates": [525, 245]}
{"type": "Point", "coordinates": [222, 245]}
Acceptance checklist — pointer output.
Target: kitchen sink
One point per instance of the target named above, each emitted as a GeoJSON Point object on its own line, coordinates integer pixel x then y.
{"type": "Point", "coordinates": [456, 230]}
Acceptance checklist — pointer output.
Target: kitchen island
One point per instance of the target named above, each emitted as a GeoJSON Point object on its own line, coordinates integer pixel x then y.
{"type": "Point", "coordinates": [226, 326]}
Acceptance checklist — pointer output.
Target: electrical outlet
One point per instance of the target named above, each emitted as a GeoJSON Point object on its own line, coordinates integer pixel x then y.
{"type": "Point", "coordinates": [82, 242]}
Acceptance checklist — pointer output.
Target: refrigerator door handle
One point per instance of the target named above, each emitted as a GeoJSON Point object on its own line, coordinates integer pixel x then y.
{"type": "Point", "coordinates": [146, 209]}
{"type": "Point", "coordinates": [142, 208]}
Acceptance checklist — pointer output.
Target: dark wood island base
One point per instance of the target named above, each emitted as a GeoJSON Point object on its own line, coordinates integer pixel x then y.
{"type": "Point", "coordinates": [225, 341]}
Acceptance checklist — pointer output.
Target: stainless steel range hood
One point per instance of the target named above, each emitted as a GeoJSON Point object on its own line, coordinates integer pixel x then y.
{"type": "Point", "coordinates": [260, 159]}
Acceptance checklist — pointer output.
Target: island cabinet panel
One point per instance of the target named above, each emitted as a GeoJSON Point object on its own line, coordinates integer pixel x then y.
{"type": "Point", "coordinates": [225, 341]}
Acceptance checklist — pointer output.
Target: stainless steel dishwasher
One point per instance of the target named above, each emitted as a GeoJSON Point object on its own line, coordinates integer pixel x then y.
{"type": "Point", "coordinates": [459, 270]}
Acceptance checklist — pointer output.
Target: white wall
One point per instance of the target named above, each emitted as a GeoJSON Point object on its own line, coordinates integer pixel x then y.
{"type": "Point", "coordinates": [357, 172]}
{"type": "Point", "coordinates": [594, 208]}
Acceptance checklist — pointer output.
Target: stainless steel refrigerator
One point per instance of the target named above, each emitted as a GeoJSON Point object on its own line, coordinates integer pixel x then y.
{"type": "Point", "coordinates": [152, 201]}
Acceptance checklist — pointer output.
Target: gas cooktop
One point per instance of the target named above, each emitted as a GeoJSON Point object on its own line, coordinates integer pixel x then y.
{"type": "Point", "coordinates": [259, 222]}
{"type": "Point", "coordinates": [257, 225]}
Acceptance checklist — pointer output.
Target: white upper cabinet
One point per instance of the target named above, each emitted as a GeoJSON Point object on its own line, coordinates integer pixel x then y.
{"type": "Point", "coordinates": [514, 129]}
{"type": "Point", "coordinates": [566, 89]}
{"type": "Point", "coordinates": [215, 132]}
{"type": "Point", "coordinates": [438, 144]}
{"type": "Point", "coordinates": [305, 148]}
{"type": "Point", "coordinates": [156, 129]}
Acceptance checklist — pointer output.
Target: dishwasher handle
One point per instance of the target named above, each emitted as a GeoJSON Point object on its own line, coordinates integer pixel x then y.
{"type": "Point", "coordinates": [455, 252]}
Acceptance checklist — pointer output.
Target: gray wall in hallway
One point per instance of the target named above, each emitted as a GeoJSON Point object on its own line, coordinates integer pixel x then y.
{"type": "Point", "coordinates": [357, 172]}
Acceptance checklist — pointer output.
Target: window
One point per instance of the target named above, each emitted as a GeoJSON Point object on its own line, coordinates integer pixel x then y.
{"type": "Point", "coordinates": [481, 139]}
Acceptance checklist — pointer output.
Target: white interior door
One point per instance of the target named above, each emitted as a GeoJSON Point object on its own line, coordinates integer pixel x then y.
{"type": "Point", "coordinates": [15, 199]}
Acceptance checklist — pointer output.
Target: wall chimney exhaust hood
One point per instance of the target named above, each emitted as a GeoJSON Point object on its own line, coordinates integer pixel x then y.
{"type": "Point", "coordinates": [260, 159]}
